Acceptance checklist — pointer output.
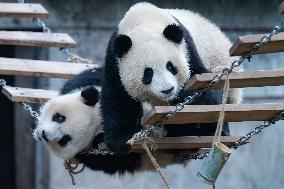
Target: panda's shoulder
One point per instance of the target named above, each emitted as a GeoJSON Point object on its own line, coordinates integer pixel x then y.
{"type": "Point", "coordinates": [86, 78]}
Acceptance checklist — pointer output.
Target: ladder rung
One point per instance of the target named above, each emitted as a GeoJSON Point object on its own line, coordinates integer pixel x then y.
{"type": "Point", "coordinates": [38, 39]}
{"type": "Point", "coordinates": [187, 142]}
{"type": "Point", "coordinates": [18, 94]}
{"type": "Point", "coordinates": [244, 44]}
{"type": "Point", "coordinates": [239, 80]}
{"type": "Point", "coordinates": [281, 8]}
{"type": "Point", "coordinates": [28, 10]}
{"type": "Point", "coordinates": [210, 113]}
{"type": "Point", "coordinates": [40, 68]}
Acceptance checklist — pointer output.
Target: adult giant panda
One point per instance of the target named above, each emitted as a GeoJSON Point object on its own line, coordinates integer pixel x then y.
{"type": "Point", "coordinates": [70, 126]}
{"type": "Point", "coordinates": [149, 58]}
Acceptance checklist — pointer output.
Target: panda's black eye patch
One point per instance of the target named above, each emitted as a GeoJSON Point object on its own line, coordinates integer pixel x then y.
{"type": "Point", "coordinates": [58, 118]}
{"type": "Point", "coordinates": [148, 75]}
{"type": "Point", "coordinates": [171, 68]}
{"type": "Point", "coordinates": [64, 140]}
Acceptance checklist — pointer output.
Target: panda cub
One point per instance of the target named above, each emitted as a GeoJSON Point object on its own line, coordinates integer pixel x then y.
{"type": "Point", "coordinates": [149, 58]}
{"type": "Point", "coordinates": [69, 122]}
{"type": "Point", "coordinates": [70, 125]}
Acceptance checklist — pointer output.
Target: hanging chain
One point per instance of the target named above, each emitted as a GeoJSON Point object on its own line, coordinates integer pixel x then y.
{"type": "Point", "coordinates": [217, 78]}
{"type": "Point", "coordinates": [27, 107]}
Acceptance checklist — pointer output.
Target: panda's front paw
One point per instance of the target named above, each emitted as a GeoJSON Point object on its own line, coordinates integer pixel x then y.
{"type": "Point", "coordinates": [119, 147]}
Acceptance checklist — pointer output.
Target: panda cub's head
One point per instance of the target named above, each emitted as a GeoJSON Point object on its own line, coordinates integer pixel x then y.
{"type": "Point", "coordinates": [151, 54]}
{"type": "Point", "coordinates": [68, 123]}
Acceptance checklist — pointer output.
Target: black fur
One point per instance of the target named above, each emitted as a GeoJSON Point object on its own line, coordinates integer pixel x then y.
{"type": "Point", "coordinates": [122, 114]}
{"type": "Point", "coordinates": [90, 95]}
{"type": "Point", "coordinates": [173, 33]}
{"type": "Point", "coordinates": [121, 45]}
{"type": "Point", "coordinates": [110, 164]}
{"type": "Point", "coordinates": [84, 79]}
{"type": "Point", "coordinates": [147, 76]}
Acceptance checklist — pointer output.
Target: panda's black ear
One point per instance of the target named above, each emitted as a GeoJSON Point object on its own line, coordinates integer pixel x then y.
{"type": "Point", "coordinates": [90, 95]}
{"type": "Point", "coordinates": [121, 45]}
{"type": "Point", "coordinates": [173, 33]}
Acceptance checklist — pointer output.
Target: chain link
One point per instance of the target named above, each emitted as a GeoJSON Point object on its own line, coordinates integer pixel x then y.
{"type": "Point", "coordinates": [28, 108]}
{"type": "Point", "coordinates": [217, 78]}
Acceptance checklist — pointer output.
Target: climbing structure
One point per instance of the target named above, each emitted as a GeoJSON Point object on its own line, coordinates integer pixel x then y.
{"type": "Point", "coordinates": [188, 114]}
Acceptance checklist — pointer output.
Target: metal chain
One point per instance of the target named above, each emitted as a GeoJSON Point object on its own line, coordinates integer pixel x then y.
{"type": "Point", "coordinates": [217, 78]}
{"type": "Point", "coordinates": [27, 107]}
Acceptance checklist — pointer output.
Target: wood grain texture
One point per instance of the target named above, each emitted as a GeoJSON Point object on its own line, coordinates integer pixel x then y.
{"type": "Point", "coordinates": [281, 8]}
{"type": "Point", "coordinates": [210, 113]}
{"type": "Point", "coordinates": [20, 10]}
{"type": "Point", "coordinates": [37, 39]}
{"type": "Point", "coordinates": [39, 68]}
{"type": "Point", "coordinates": [239, 80]}
{"type": "Point", "coordinates": [244, 44]}
{"type": "Point", "coordinates": [17, 94]}
{"type": "Point", "coordinates": [187, 142]}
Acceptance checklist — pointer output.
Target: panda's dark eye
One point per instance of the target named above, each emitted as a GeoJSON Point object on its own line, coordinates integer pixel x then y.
{"type": "Point", "coordinates": [148, 75]}
{"type": "Point", "coordinates": [171, 68]}
{"type": "Point", "coordinates": [58, 118]}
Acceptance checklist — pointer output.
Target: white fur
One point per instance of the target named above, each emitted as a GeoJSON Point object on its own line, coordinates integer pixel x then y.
{"type": "Point", "coordinates": [144, 24]}
{"type": "Point", "coordinates": [82, 123]}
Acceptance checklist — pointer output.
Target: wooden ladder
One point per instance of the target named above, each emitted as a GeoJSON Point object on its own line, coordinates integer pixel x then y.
{"type": "Point", "coordinates": [190, 114]}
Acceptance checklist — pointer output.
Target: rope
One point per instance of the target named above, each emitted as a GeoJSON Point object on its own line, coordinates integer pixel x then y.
{"type": "Point", "coordinates": [75, 58]}
{"type": "Point", "coordinates": [218, 132]}
{"type": "Point", "coordinates": [155, 164]}
{"type": "Point", "coordinates": [71, 170]}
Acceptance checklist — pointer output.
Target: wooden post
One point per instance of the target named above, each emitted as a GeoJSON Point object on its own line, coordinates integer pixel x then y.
{"type": "Point", "coordinates": [213, 164]}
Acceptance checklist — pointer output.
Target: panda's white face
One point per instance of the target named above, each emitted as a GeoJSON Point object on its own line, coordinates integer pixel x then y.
{"type": "Point", "coordinates": [151, 53]}
{"type": "Point", "coordinates": [156, 70]}
{"type": "Point", "coordinates": [67, 124]}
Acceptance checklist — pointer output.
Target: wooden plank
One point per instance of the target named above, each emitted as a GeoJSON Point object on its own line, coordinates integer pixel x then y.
{"type": "Point", "coordinates": [210, 113]}
{"type": "Point", "coordinates": [17, 94]}
{"type": "Point", "coordinates": [244, 44]}
{"type": "Point", "coordinates": [281, 8]}
{"type": "Point", "coordinates": [187, 142]}
{"type": "Point", "coordinates": [239, 80]}
{"type": "Point", "coordinates": [20, 10]}
{"type": "Point", "coordinates": [39, 68]}
{"type": "Point", "coordinates": [37, 39]}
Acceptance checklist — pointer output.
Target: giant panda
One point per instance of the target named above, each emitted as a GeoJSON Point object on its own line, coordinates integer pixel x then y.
{"type": "Point", "coordinates": [70, 126]}
{"type": "Point", "coordinates": [150, 56]}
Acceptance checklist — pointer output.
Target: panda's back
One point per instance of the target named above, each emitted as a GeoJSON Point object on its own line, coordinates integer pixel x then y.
{"type": "Point", "coordinates": [84, 79]}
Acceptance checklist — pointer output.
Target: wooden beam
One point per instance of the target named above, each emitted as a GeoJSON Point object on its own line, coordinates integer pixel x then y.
{"type": "Point", "coordinates": [37, 39]}
{"type": "Point", "coordinates": [239, 80]}
{"type": "Point", "coordinates": [20, 10]}
{"type": "Point", "coordinates": [244, 44]}
{"type": "Point", "coordinates": [210, 113]}
{"type": "Point", "coordinates": [39, 68]}
{"type": "Point", "coordinates": [17, 94]}
{"type": "Point", "coordinates": [281, 8]}
{"type": "Point", "coordinates": [187, 142]}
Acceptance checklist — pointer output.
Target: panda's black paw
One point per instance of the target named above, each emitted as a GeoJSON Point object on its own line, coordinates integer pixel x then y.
{"type": "Point", "coordinates": [119, 147]}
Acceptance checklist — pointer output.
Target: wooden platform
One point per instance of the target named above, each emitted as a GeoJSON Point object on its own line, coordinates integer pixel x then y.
{"type": "Point", "coordinates": [18, 94]}
{"type": "Point", "coordinates": [281, 8]}
{"type": "Point", "coordinates": [210, 113]}
{"type": "Point", "coordinates": [36, 39]}
{"type": "Point", "coordinates": [20, 10]}
{"type": "Point", "coordinates": [239, 80]}
{"type": "Point", "coordinates": [244, 44]}
{"type": "Point", "coordinates": [187, 142]}
{"type": "Point", "coordinates": [40, 68]}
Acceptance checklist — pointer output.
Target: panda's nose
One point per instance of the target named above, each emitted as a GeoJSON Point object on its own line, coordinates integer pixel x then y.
{"type": "Point", "coordinates": [43, 135]}
{"type": "Point", "coordinates": [167, 91]}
